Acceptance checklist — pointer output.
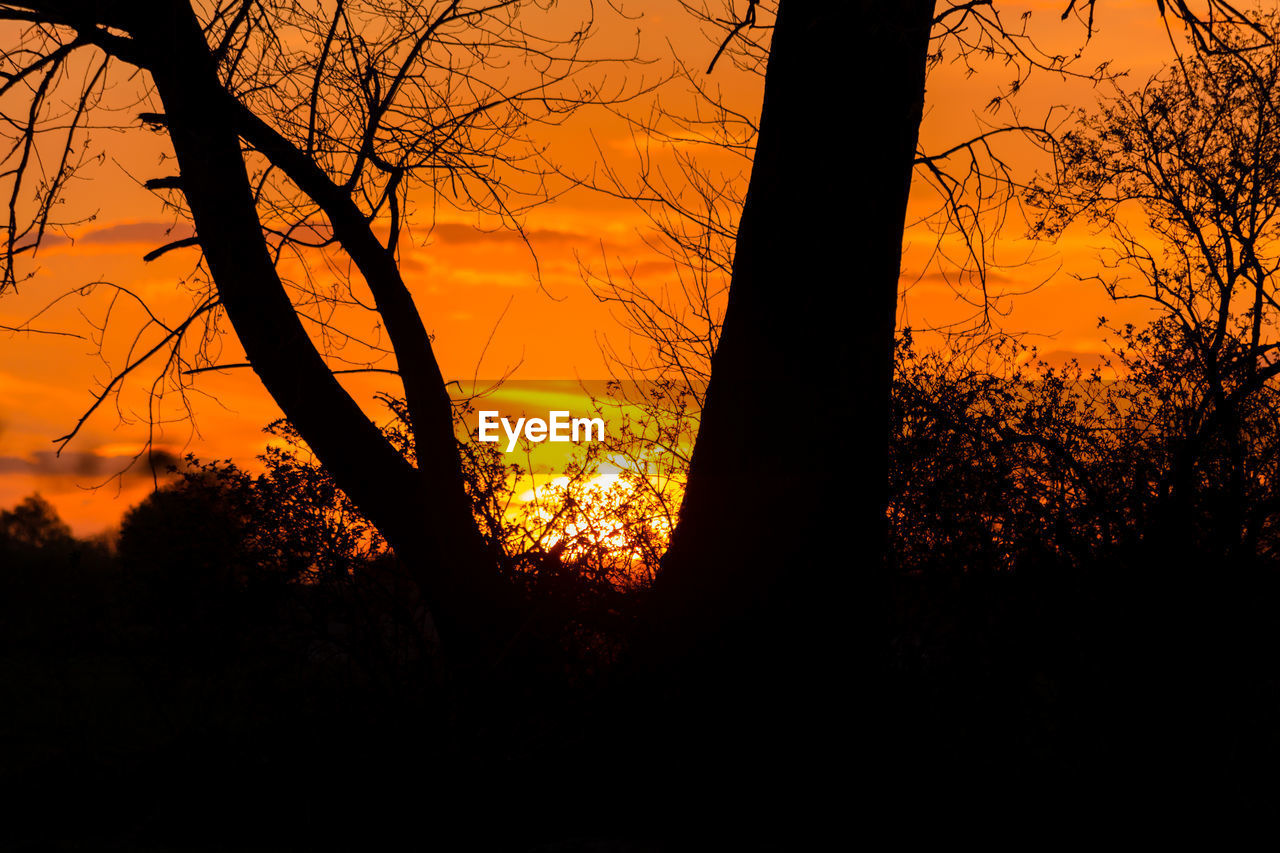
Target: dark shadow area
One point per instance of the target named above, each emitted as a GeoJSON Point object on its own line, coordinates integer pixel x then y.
{"type": "Point", "coordinates": [1073, 631]}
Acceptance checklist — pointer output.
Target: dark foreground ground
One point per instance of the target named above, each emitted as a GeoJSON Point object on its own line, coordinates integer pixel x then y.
{"type": "Point", "coordinates": [214, 716]}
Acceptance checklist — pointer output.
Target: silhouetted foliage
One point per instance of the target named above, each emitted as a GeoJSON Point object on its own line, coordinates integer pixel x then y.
{"type": "Point", "coordinates": [34, 524]}
{"type": "Point", "coordinates": [308, 136]}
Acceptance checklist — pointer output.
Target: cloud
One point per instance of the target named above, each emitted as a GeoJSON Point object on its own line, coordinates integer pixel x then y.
{"type": "Point", "coordinates": [996, 282]}
{"type": "Point", "coordinates": [646, 269]}
{"type": "Point", "coordinates": [53, 240]}
{"type": "Point", "coordinates": [460, 235]}
{"type": "Point", "coordinates": [132, 233]}
{"type": "Point", "coordinates": [87, 464]}
{"type": "Point", "coordinates": [123, 234]}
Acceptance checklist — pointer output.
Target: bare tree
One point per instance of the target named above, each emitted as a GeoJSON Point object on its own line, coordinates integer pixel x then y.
{"type": "Point", "coordinates": [775, 592]}
{"type": "Point", "coordinates": [1180, 175]}
{"type": "Point", "coordinates": [308, 132]}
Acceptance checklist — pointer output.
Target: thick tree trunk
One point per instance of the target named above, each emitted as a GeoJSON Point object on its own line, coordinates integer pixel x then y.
{"type": "Point", "coordinates": [423, 512]}
{"type": "Point", "coordinates": [778, 559]}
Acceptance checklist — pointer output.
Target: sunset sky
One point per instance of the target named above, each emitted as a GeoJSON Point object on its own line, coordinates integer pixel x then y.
{"type": "Point", "coordinates": [478, 290]}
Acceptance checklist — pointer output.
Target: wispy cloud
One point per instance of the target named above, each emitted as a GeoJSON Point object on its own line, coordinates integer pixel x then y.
{"type": "Point", "coordinates": [84, 464]}
{"type": "Point", "coordinates": [458, 235]}
{"type": "Point", "coordinates": [137, 233]}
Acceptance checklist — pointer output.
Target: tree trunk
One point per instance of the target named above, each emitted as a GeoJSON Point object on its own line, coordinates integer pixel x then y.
{"type": "Point", "coordinates": [424, 514]}
{"type": "Point", "coordinates": [779, 554]}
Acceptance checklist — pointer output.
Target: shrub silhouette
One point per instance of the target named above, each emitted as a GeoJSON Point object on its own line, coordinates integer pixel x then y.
{"type": "Point", "coordinates": [33, 524]}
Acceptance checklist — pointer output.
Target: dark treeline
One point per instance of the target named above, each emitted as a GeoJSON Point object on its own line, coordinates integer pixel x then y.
{"type": "Point", "coordinates": [1085, 589]}
{"type": "Point", "coordinates": [1078, 587]}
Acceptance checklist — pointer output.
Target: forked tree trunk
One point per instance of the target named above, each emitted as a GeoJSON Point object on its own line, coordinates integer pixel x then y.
{"type": "Point", "coordinates": [424, 514]}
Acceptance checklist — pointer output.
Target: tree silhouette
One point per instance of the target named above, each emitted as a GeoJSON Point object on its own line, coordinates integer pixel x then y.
{"type": "Point", "coordinates": [1196, 151]}
{"type": "Point", "coordinates": [33, 523]}
{"type": "Point", "coordinates": [775, 586]}
{"type": "Point", "coordinates": [301, 129]}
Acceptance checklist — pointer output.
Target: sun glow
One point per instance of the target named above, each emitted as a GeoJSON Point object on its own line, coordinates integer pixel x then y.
{"type": "Point", "coordinates": [615, 522]}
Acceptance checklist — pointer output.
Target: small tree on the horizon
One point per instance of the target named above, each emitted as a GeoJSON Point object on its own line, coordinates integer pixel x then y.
{"type": "Point", "coordinates": [1182, 178]}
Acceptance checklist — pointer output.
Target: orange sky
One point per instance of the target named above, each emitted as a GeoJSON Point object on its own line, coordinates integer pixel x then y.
{"type": "Point", "coordinates": [465, 279]}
